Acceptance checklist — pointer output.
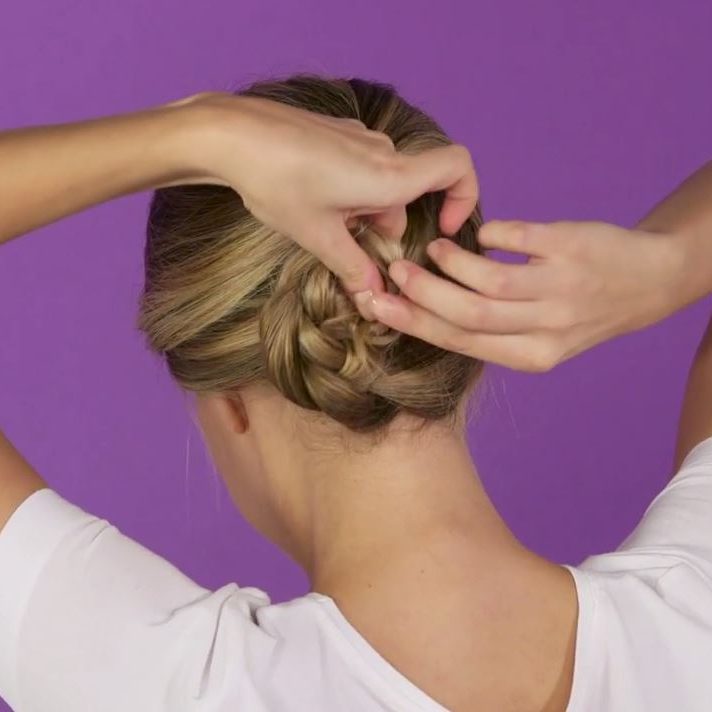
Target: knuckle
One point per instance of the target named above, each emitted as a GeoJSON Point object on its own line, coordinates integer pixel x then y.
{"type": "Point", "coordinates": [352, 274]}
{"type": "Point", "coordinates": [519, 235]}
{"type": "Point", "coordinates": [385, 138]}
{"type": "Point", "coordinates": [478, 313]}
{"type": "Point", "coordinates": [543, 357]}
{"type": "Point", "coordinates": [574, 247]}
{"type": "Point", "coordinates": [465, 152]}
{"type": "Point", "coordinates": [447, 257]}
{"type": "Point", "coordinates": [461, 152]}
{"type": "Point", "coordinates": [454, 341]}
{"type": "Point", "coordinates": [388, 170]}
{"type": "Point", "coordinates": [414, 284]}
{"type": "Point", "coordinates": [490, 229]}
{"type": "Point", "coordinates": [528, 240]}
{"type": "Point", "coordinates": [357, 123]}
{"type": "Point", "coordinates": [383, 159]}
{"type": "Point", "coordinates": [499, 283]}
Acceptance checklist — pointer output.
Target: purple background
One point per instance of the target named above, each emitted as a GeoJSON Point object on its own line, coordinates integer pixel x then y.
{"type": "Point", "coordinates": [586, 110]}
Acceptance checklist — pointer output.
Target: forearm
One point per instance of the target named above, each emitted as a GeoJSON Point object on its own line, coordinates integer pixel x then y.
{"type": "Point", "coordinates": [49, 172]}
{"type": "Point", "coordinates": [695, 422]}
{"type": "Point", "coordinates": [687, 209]}
{"type": "Point", "coordinates": [687, 213]}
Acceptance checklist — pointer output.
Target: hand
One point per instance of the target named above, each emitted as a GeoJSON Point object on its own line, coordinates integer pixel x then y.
{"type": "Point", "coordinates": [308, 176]}
{"type": "Point", "coordinates": [584, 282]}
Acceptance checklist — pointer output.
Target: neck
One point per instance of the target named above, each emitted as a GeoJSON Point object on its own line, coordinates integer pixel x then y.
{"type": "Point", "coordinates": [412, 507]}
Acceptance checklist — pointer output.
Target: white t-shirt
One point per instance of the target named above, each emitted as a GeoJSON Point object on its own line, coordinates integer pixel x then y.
{"type": "Point", "coordinates": [91, 621]}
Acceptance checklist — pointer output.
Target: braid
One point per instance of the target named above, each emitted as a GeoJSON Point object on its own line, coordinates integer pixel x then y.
{"type": "Point", "coordinates": [319, 351]}
{"type": "Point", "coordinates": [230, 302]}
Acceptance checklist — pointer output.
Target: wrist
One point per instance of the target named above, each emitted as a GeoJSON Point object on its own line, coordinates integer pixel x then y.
{"type": "Point", "coordinates": [191, 140]}
{"type": "Point", "coordinates": [695, 250]}
{"type": "Point", "coordinates": [685, 259]}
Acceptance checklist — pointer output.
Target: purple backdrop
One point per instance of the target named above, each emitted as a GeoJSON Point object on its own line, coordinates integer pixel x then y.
{"type": "Point", "coordinates": [587, 110]}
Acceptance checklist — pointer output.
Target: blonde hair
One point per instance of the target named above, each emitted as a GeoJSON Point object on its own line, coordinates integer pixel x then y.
{"type": "Point", "coordinates": [230, 302]}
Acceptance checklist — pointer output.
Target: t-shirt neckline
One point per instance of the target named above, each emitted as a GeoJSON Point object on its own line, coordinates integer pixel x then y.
{"type": "Point", "coordinates": [397, 681]}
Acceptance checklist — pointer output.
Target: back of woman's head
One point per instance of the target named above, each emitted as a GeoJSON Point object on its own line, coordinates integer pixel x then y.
{"type": "Point", "coordinates": [231, 303]}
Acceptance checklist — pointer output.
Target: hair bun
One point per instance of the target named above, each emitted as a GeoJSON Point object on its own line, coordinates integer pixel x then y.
{"type": "Point", "coordinates": [230, 302]}
{"type": "Point", "coordinates": [319, 351]}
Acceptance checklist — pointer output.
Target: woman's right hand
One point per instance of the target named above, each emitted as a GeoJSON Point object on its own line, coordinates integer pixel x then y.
{"type": "Point", "coordinates": [584, 283]}
{"type": "Point", "coordinates": [309, 176]}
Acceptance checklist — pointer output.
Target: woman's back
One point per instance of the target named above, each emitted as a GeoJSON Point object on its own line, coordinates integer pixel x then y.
{"type": "Point", "coordinates": [154, 640]}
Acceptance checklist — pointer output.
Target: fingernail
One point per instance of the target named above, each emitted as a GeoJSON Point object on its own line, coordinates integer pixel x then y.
{"type": "Point", "coordinates": [364, 303]}
{"type": "Point", "coordinates": [398, 272]}
{"type": "Point", "coordinates": [383, 304]}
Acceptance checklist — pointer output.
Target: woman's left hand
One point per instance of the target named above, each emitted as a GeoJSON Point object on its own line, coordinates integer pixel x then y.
{"type": "Point", "coordinates": [584, 283]}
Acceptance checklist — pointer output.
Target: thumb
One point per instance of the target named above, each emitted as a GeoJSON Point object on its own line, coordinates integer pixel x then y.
{"type": "Point", "coordinates": [334, 245]}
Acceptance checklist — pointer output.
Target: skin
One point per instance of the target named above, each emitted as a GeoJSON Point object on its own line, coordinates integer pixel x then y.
{"type": "Point", "coordinates": [409, 515]}
{"type": "Point", "coordinates": [367, 523]}
{"type": "Point", "coordinates": [583, 283]}
{"type": "Point", "coordinates": [50, 172]}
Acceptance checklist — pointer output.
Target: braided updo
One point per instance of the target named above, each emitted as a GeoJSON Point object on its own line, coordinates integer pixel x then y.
{"type": "Point", "coordinates": [229, 302]}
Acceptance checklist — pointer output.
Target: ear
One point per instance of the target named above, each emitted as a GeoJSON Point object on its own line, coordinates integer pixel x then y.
{"type": "Point", "coordinates": [225, 410]}
{"type": "Point", "coordinates": [236, 413]}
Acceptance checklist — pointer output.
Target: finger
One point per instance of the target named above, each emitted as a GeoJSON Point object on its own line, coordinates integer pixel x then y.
{"type": "Point", "coordinates": [522, 352]}
{"type": "Point", "coordinates": [463, 307]}
{"type": "Point", "coordinates": [490, 277]}
{"type": "Point", "coordinates": [528, 238]}
{"type": "Point", "coordinates": [447, 168]}
{"type": "Point", "coordinates": [391, 223]}
{"type": "Point", "coordinates": [334, 245]}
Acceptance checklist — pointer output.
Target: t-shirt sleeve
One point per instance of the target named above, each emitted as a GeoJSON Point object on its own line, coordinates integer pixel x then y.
{"type": "Point", "coordinates": [92, 620]}
{"type": "Point", "coordinates": [677, 525]}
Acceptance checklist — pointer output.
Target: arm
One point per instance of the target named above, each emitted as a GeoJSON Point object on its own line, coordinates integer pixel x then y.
{"type": "Point", "coordinates": [585, 283]}
{"type": "Point", "coordinates": [18, 480]}
{"type": "Point", "coordinates": [687, 212]}
{"type": "Point", "coordinates": [261, 148]}
{"type": "Point", "coordinates": [687, 209]}
{"type": "Point", "coordinates": [662, 265]}
{"type": "Point", "coordinates": [695, 424]}
{"type": "Point", "coordinates": [51, 171]}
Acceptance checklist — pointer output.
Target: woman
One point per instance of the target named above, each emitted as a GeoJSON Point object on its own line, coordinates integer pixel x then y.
{"type": "Point", "coordinates": [339, 439]}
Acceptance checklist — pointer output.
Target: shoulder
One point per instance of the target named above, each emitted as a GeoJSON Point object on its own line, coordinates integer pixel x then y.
{"type": "Point", "coordinates": [18, 480]}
